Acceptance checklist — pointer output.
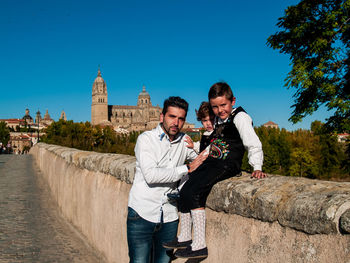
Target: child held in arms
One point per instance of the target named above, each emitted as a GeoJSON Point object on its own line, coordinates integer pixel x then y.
{"type": "Point", "coordinates": [206, 116]}
{"type": "Point", "coordinates": [233, 133]}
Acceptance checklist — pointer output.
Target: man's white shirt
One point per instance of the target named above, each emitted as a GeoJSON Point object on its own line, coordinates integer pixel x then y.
{"type": "Point", "coordinates": [159, 166]}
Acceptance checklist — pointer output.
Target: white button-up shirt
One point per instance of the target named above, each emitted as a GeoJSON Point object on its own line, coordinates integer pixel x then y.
{"type": "Point", "coordinates": [159, 165]}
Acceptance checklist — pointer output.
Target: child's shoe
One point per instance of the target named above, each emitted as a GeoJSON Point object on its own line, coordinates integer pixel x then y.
{"type": "Point", "coordinates": [175, 244]}
{"type": "Point", "coordinates": [174, 195]}
{"type": "Point", "coordinates": [189, 253]}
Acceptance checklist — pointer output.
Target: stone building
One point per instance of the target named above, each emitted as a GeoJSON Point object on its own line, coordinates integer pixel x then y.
{"type": "Point", "coordinates": [143, 116]}
{"type": "Point", "coordinates": [270, 124]}
{"type": "Point", "coordinates": [20, 142]}
{"type": "Point", "coordinates": [47, 118]}
{"type": "Point", "coordinates": [27, 118]}
{"type": "Point", "coordinates": [38, 117]}
{"type": "Point", "coordinates": [63, 116]}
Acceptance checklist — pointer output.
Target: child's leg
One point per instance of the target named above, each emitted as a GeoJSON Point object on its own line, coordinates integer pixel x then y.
{"type": "Point", "coordinates": [198, 248]}
{"type": "Point", "coordinates": [185, 227]}
{"type": "Point", "coordinates": [198, 217]}
{"type": "Point", "coordinates": [194, 194]}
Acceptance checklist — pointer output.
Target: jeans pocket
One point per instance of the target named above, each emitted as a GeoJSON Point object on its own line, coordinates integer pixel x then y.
{"type": "Point", "coordinates": [132, 214]}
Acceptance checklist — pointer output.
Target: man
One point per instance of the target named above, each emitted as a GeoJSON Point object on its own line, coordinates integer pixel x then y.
{"type": "Point", "coordinates": [160, 157]}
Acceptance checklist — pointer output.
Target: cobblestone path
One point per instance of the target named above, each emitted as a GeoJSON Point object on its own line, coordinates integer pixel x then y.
{"type": "Point", "coordinates": [31, 228]}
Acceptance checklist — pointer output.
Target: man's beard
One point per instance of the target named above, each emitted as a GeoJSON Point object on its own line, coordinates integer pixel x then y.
{"type": "Point", "coordinates": [168, 130]}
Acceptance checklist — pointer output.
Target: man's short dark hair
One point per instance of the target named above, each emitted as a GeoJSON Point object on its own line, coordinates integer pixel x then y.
{"type": "Point", "coordinates": [204, 111]}
{"type": "Point", "coordinates": [175, 102]}
{"type": "Point", "coordinates": [220, 89]}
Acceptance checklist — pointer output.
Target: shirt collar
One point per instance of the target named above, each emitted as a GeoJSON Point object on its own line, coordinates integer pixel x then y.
{"type": "Point", "coordinates": [162, 134]}
{"type": "Point", "coordinates": [219, 120]}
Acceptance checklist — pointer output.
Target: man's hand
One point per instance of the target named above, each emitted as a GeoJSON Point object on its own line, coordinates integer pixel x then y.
{"type": "Point", "coordinates": [258, 174]}
{"type": "Point", "coordinates": [198, 161]}
{"type": "Point", "coordinates": [189, 142]}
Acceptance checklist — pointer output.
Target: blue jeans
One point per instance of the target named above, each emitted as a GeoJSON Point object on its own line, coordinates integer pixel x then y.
{"type": "Point", "coordinates": [145, 239]}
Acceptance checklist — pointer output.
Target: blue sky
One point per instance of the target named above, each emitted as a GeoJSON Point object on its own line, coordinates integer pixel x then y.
{"type": "Point", "coordinates": [50, 52]}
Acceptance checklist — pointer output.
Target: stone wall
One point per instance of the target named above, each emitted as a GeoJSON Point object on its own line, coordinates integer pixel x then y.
{"type": "Point", "coordinates": [277, 219]}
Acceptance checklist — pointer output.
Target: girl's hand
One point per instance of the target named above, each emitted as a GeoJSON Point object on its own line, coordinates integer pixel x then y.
{"type": "Point", "coordinates": [189, 142]}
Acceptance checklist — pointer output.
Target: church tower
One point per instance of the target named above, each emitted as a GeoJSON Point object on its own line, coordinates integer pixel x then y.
{"type": "Point", "coordinates": [144, 99]}
{"type": "Point", "coordinates": [99, 106]}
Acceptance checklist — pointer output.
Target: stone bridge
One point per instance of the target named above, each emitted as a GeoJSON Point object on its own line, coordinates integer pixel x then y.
{"type": "Point", "coordinates": [277, 219]}
{"type": "Point", "coordinates": [31, 227]}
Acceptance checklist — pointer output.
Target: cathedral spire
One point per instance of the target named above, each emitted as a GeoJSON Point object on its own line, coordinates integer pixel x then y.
{"type": "Point", "coordinates": [98, 71]}
{"type": "Point", "coordinates": [143, 88]}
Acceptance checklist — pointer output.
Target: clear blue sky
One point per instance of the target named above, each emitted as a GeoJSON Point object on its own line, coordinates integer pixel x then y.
{"type": "Point", "coordinates": [50, 52]}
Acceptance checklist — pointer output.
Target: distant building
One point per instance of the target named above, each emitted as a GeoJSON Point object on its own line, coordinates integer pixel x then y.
{"type": "Point", "coordinates": [63, 116]}
{"type": "Point", "coordinates": [20, 142]}
{"type": "Point", "coordinates": [13, 123]}
{"type": "Point", "coordinates": [191, 131]}
{"type": "Point", "coordinates": [27, 118]}
{"type": "Point", "coordinates": [38, 117]}
{"type": "Point", "coordinates": [270, 124]}
{"type": "Point", "coordinates": [343, 137]}
{"type": "Point", "coordinates": [47, 118]}
{"type": "Point", "coordinates": [27, 121]}
{"type": "Point", "coordinates": [143, 116]}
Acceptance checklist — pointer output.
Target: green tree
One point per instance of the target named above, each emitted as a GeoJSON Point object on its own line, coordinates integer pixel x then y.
{"type": "Point", "coordinates": [316, 35]}
{"type": "Point", "coordinates": [346, 161]}
{"type": "Point", "coordinates": [84, 136]}
{"type": "Point", "coordinates": [330, 152]}
{"type": "Point", "coordinates": [276, 147]}
{"type": "Point", "coordinates": [4, 133]}
{"type": "Point", "coordinates": [303, 164]}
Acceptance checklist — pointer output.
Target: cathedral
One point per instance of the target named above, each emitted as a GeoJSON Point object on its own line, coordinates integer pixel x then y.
{"type": "Point", "coordinates": [143, 116]}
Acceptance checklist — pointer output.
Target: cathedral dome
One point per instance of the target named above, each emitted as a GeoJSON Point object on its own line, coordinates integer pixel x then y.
{"type": "Point", "coordinates": [27, 117]}
{"type": "Point", "coordinates": [144, 97]}
{"type": "Point", "coordinates": [144, 93]}
{"type": "Point", "coordinates": [99, 86]}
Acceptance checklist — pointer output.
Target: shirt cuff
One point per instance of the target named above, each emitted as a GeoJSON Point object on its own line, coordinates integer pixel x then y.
{"type": "Point", "coordinates": [258, 167]}
{"type": "Point", "coordinates": [182, 170]}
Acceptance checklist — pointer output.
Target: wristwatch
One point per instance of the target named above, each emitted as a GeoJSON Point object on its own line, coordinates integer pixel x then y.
{"type": "Point", "coordinates": [188, 167]}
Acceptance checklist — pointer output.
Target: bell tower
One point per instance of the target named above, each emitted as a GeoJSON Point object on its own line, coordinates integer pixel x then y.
{"type": "Point", "coordinates": [99, 106]}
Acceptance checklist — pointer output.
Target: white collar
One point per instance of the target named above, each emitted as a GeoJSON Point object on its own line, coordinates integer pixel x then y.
{"type": "Point", "coordinates": [162, 134]}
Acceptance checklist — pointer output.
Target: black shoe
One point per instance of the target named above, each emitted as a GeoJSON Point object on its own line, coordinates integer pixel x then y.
{"type": "Point", "coordinates": [189, 253]}
{"type": "Point", "coordinates": [176, 244]}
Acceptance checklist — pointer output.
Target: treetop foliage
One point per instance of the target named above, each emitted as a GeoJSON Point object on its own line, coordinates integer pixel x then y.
{"type": "Point", "coordinates": [316, 35]}
{"type": "Point", "coordinates": [4, 133]}
{"type": "Point", "coordinates": [314, 153]}
{"type": "Point", "coordinates": [86, 137]}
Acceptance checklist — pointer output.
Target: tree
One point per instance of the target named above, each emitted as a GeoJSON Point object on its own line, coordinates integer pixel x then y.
{"type": "Point", "coordinates": [84, 136]}
{"type": "Point", "coordinates": [4, 133]}
{"type": "Point", "coordinates": [330, 152]}
{"type": "Point", "coordinates": [303, 164]}
{"type": "Point", "coordinates": [316, 35]}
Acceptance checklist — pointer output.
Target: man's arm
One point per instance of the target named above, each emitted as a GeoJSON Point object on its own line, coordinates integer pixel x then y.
{"type": "Point", "coordinates": [145, 157]}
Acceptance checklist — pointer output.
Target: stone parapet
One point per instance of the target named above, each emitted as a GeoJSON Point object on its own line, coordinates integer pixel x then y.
{"type": "Point", "coordinates": [311, 206]}
{"type": "Point", "coordinates": [119, 166]}
{"type": "Point", "coordinates": [277, 219]}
